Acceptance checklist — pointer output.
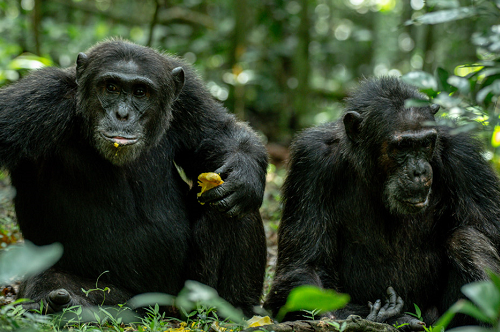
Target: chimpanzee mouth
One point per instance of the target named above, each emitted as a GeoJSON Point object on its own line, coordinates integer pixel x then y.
{"type": "Point", "coordinates": [120, 140]}
{"type": "Point", "coordinates": [417, 203]}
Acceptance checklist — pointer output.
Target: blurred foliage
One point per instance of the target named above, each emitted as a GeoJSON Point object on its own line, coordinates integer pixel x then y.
{"type": "Point", "coordinates": [281, 65]}
{"type": "Point", "coordinates": [483, 306]}
{"type": "Point", "coordinates": [468, 95]}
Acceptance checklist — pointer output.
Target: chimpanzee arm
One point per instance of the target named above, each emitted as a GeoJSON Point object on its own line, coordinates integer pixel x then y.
{"type": "Point", "coordinates": [208, 139]}
{"type": "Point", "coordinates": [473, 243]}
{"type": "Point", "coordinates": [34, 114]}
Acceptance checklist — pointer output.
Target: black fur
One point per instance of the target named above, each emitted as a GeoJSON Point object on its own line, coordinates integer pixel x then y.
{"type": "Point", "coordinates": [340, 231]}
{"type": "Point", "coordinates": [126, 209]}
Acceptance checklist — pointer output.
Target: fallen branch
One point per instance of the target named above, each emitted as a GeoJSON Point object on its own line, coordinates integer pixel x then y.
{"type": "Point", "coordinates": [354, 323]}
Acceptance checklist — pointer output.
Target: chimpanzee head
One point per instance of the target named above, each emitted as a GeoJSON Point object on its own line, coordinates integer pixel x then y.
{"type": "Point", "coordinates": [125, 93]}
{"type": "Point", "coordinates": [395, 144]}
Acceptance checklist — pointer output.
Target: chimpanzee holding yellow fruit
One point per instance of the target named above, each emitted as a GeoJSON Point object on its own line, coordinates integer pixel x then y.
{"type": "Point", "coordinates": [92, 151]}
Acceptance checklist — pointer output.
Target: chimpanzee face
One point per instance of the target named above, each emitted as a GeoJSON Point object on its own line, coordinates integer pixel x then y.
{"type": "Point", "coordinates": [406, 158]}
{"type": "Point", "coordinates": [126, 101]}
{"type": "Point", "coordinates": [398, 148]}
{"type": "Point", "coordinates": [129, 100]}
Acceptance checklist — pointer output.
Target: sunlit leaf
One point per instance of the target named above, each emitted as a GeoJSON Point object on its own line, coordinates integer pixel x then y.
{"type": "Point", "coordinates": [421, 80]}
{"type": "Point", "coordinates": [442, 16]}
{"type": "Point", "coordinates": [462, 84]}
{"type": "Point", "coordinates": [29, 62]}
{"type": "Point", "coordinates": [447, 101]}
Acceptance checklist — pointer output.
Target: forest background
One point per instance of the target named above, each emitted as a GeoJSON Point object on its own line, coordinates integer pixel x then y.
{"type": "Point", "coordinates": [281, 65]}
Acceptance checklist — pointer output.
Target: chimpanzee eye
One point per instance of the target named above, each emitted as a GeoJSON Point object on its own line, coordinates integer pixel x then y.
{"type": "Point", "coordinates": [139, 92]}
{"type": "Point", "coordinates": [111, 88]}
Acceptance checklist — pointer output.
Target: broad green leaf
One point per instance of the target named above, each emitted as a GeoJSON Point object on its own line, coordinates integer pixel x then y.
{"type": "Point", "coordinates": [469, 309]}
{"type": "Point", "coordinates": [442, 76]}
{"type": "Point", "coordinates": [447, 101]}
{"type": "Point", "coordinates": [442, 16]}
{"type": "Point", "coordinates": [151, 298]}
{"type": "Point", "coordinates": [442, 3]}
{"type": "Point", "coordinates": [493, 276]}
{"type": "Point", "coordinates": [421, 80]}
{"type": "Point", "coordinates": [195, 292]}
{"type": "Point", "coordinates": [484, 92]}
{"type": "Point", "coordinates": [462, 84]}
{"type": "Point", "coordinates": [308, 297]}
{"type": "Point", "coordinates": [485, 295]}
{"type": "Point", "coordinates": [28, 259]}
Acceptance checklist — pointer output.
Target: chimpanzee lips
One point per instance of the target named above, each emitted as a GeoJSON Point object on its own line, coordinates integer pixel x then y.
{"type": "Point", "coordinates": [417, 203]}
{"type": "Point", "coordinates": [120, 140]}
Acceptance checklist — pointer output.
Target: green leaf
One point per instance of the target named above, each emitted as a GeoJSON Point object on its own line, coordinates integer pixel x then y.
{"type": "Point", "coordinates": [442, 76]}
{"type": "Point", "coordinates": [442, 16]}
{"type": "Point", "coordinates": [308, 297]}
{"type": "Point", "coordinates": [151, 298]}
{"type": "Point", "coordinates": [462, 84]}
{"type": "Point", "coordinates": [494, 278]}
{"type": "Point", "coordinates": [195, 292]}
{"type": "Point", "coordinates": [447, 101]}
{"type": "Point", "coordinates": [442, 3]}
{"type": "Point", "coordinates": [27, 259]}
{"type": "Point", "coordinates": [485, 295]}
{"type": "Point", "coordinates": [469, 309]}
{"type": "Point", "coordinates": [421, 80]}
{"type": "Point", "coordinates": [418, 103]}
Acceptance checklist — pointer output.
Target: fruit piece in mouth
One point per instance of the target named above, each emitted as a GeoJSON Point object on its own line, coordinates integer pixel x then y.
{"type": "Point", "coordinates": [120, 140]}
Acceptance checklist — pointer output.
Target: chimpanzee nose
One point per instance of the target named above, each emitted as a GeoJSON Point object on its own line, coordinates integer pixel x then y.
{"type": "Point", "coordinates": [122, 113]}
{"type": "Point", "coordinates": [421, 172]}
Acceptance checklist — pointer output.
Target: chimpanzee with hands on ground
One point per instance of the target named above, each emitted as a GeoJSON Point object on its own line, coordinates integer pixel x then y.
{"type": "Point", "coordinates": [386, 202]}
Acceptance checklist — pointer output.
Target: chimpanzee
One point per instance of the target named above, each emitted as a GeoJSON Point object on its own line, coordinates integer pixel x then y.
{"type": "Point", "coordinates": [94, 151]}
{"type": "Point", "coordinates": [382, 202]}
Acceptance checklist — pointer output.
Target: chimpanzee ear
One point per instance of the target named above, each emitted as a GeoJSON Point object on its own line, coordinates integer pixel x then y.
{"type": "Point", "coordinates": [352, 120]}
{"type": "Point", "coordinates": [81, 63]}
{"type": "Point", "coordinates": [434, 108]}
{"type": "Point", "coordinates": [178, 76]}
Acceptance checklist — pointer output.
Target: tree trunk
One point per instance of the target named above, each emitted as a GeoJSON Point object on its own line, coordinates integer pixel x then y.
{"type": "Point", "coordinates": [301, 67]}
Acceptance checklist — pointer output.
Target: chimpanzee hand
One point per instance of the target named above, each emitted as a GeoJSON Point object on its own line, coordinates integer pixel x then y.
{"type": "Point", "coordinates": [393, 309]}
{"type": "Point", "coordinates": [241, 191]}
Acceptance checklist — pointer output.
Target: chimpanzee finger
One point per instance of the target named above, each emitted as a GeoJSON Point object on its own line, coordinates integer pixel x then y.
{"type": "Point", "coordinates": [216, 193]}
{"type": "Point", "coordinates": [392, 297]}
{"type": "Point", "coordinates": [416, 325]}
{"type": "Point", "coordinates": [374, 310]}
{"type": "Point", "coordinates": [225, 204]}
{"type": "Point", "coordinates": [237, 211]}
{"type": "Point", "coordinates": [394, 305]}
{"type": "Point", "coordinates": [385, 306]}
{"type": "Point", "coordinates": [224, 170]}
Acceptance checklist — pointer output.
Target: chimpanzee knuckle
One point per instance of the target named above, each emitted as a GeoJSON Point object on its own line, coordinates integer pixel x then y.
{"type": "Point", "coordinates": [235, 211]}
{"type": "Point", "coordinates": [214, 194]}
